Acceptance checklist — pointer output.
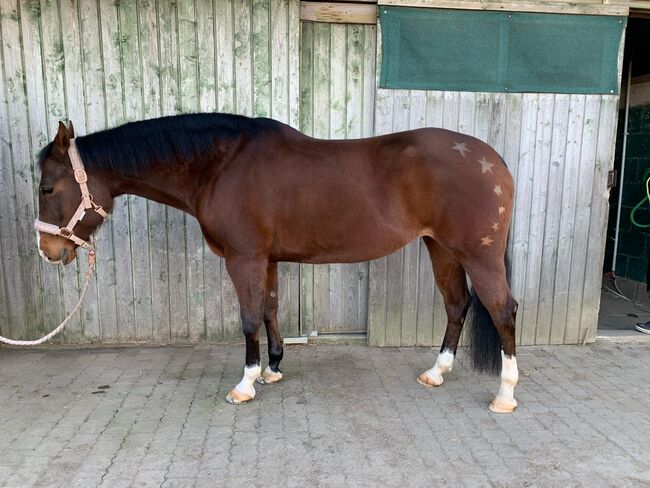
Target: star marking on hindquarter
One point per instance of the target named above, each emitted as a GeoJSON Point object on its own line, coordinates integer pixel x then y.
{"type": "Point", "coordinates": [461, 148]}
{"type": "Point", "coordinates": [502, 210]}
{"type": "Point", "coordinates": [486, 166]}
{"type": "Point", "coordinates": [486, 241]}
{"type": "Point", "coordinates": [497, 190]}
{"type": "Point", "coordinates": [495, 226]}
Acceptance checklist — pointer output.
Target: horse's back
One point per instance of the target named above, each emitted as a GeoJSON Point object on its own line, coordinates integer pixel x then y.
{"type": "Point", "coordinates": [353, 200]}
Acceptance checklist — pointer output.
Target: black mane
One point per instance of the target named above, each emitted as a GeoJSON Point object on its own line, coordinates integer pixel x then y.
{"type": "Point", "coordinates": [137, 146]}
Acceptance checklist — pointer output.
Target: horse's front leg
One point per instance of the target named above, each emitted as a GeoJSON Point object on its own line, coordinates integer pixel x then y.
{"type": "Point", "coordinates": [249, 277]}
{"type": "Point", "coordinates": [272, 373]}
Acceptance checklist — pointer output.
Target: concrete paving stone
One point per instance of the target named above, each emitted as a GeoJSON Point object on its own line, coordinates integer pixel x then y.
{"type": "Point", "coordinates": [582, 419]}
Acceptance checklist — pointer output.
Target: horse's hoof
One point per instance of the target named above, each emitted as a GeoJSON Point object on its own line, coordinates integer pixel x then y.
{"type": "Point", "coordinates": [429, 381]}
{"type": "Point", "coordinates": [269, 377]}
{"type": "Point", "coordinates": [238, 398]}
{"type": "Point", "coordinates": [503, 405]}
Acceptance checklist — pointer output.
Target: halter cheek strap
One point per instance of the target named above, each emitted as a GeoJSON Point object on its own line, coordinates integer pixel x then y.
{"type": "Point", "coordinates": [87, 203]}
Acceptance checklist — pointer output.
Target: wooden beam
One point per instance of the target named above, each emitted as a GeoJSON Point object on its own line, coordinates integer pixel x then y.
{"type": "Point", "coordinates": [640, 4]}
{"type": "Point", "coordinates": [583, 7]}
{"type": "Point", "coordinates": [339, 13]}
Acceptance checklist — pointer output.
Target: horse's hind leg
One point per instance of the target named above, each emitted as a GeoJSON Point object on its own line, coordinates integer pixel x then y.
{"type": "Point", "coordinates": [272, 372]}
{"type": "Point", "coordinates": [249, 277]}
{"type": "Point", "coordinates": [489, 281]}
{"type": "Point", "coordinates": [450, 278]}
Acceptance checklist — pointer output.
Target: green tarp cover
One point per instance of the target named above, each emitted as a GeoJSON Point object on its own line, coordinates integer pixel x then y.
{"type": "Point", "coordinates": [466, 50]}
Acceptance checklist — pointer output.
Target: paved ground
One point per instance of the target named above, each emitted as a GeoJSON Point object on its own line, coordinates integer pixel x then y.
{"type": "Point", "coordinates": [344, 416]}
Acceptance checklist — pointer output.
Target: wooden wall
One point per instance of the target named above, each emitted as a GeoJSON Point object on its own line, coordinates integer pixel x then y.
{"type": "Point", "coordinates": [101, 63]}
{"type": "Point", "coordinates": [559, 149]}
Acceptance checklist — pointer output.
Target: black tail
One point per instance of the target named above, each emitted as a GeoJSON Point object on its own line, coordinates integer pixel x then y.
{"type": "Point", "coordinates": [484, 341]}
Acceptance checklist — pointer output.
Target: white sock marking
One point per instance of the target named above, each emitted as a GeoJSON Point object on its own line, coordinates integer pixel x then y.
{"type": "Point", "coordinates": [245, 386]}
{"type": "Point", "coordinates": [509, 379]}
{"type": "Point", "coordinates": [444, 364]}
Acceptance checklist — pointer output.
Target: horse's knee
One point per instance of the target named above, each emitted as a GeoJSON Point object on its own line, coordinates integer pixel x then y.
{"type": "Point", "coordinates": [250, 328]}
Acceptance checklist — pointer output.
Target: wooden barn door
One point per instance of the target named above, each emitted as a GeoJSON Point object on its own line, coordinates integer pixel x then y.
{"type": "Point", "coordinates": [337, 86]}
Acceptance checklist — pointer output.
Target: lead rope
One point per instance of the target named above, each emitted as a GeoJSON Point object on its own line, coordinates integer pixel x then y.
{"type": "Point", "coordinates": [89, 274]}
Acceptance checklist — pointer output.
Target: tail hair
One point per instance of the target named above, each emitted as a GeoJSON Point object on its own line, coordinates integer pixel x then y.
{"type": "Point", "coordinates": [484, 341]}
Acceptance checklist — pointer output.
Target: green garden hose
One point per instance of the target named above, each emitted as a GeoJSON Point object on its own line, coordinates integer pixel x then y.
{"type": "Point", "coordinates": [638, 205]}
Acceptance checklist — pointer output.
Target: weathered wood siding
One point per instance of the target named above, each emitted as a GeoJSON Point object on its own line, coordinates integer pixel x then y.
{"type": "Point", "coordinates": [101, 63]}
{"type": "Point", "coordinates": [337, 88]}
{"type": "Point", "coordinates": [559, 149]}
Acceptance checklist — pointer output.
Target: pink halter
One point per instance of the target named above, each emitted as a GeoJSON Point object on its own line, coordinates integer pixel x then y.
{"type": "Point", "coordinates": [86, 203]}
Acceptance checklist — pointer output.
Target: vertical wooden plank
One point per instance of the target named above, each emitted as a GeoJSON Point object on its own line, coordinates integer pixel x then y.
{"type": "Point", "coordinates": [4, 302]}
{"type": "Point", "coordinates": [279, 55]}
{"type": "Point", "coordinates": [426, 286]}
{"type": "Point", "coordinates": [466, 108]}
{"type": "Point", "coordinates": [261, 75]}
{"type": "Point", "coordinates": [352, 274]}
{"type": "Point", "coordinates": [91, 71]}
{"type": "Point", "coordinates": [132, 61]}
{"type": "Point", "coordinates": [604, 162]}
{"type": "Point", "coordinates": [521, 217]}
{"type": "Point", "coordinates": [35, 91]}
{"type": "Point", "coordinates": [229, 45]}
{"type": "Point", "coordinates": [497, 123]}
{"type": "Point", "coordinates": [23, 169]}
{"type": "Point", "coordinates": [225, 47]}
{"type": "Point", "coordinates": [293, 74]}
{"type": "Point", "coordinates": [559, 323]}
{"type": "Point", "coordinates": [205, 53]}
{"type": "Point", "coordinates": [483, 113]}
{"type": "Point", "coordinates": [416, 119]}
{"type": "Point", "coordinates": [337, 130]}
{"type": "Point", "coordinates": [512, 137]}
{"type": "Point", "coordinates": [271, 44]}
{"type": "Point", "coordinates": [399, 274]}
{"type": "Point", "coordinates": [75, 97]}
{"type": "Point", "coordinates": [243, 58]}
{"type": "Point", "coordinates": [306, 78]}
{"type": "Point", "coordinates": [14, 285]}
{"type": "Point", "coordinates": [451, 110]}
{"type": "Point", "coordinates": [369, 87]}
{"type": "Point", "coordinates": [190, 102]}
{"type": "Point", "coordinates": [120, 264]}
{"type": "Point", "coordinates": [53, 62]}
{"type": "Point", "coordinates": [207, 35]}
{"type": "Point", "coordinates": [156, 229]}
{"type": "Point", "coordinates": [378, 269]}
{"type": "Point", "coordinates": [583, 188]}
{"type": "Point", "coordinates": [307, 87]}
{"type": "Point", "coordinates": [322, 126]}
{"type": "Point", "coordinates": [172, 104]}
{"type": "Point", "coordinates": [537, 217]}
{"type": "Point", "coordinates": [553, 209]}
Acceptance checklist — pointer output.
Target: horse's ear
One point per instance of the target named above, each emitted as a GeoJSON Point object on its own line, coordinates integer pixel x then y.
{"type": "Point", "coordinates": [70, 130]}
{"type": "Point", "coordinates": [62, 139]}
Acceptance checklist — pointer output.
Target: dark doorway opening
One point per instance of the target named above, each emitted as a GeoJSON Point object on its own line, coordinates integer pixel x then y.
{"type": "Point", "coordinates": [624, 301]}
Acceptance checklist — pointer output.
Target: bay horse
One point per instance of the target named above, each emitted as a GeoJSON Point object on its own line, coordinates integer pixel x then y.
{"type": "Point", "coordinates": [263, 193]}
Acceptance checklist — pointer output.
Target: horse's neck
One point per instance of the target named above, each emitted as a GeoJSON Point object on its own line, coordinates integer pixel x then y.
{"type": "Point", "coordinates": [176, 189]}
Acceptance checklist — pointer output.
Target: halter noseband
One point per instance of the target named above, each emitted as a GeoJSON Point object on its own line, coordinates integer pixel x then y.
{"type": "Point", "coordinates": [87, 202]}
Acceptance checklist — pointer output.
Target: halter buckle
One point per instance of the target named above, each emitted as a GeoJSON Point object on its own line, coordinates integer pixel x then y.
{"type": "Point", "coordinates": [64, 232]}
{"type": "Point", "coordinates": [80, 175]}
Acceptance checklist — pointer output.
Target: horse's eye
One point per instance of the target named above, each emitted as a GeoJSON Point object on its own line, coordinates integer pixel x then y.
{"type": "Point", "coordinates": [46, 190]}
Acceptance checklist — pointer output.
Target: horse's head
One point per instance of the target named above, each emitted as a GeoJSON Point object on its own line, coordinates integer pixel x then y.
{"type": "Point", "coordinates": [60, 194]}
